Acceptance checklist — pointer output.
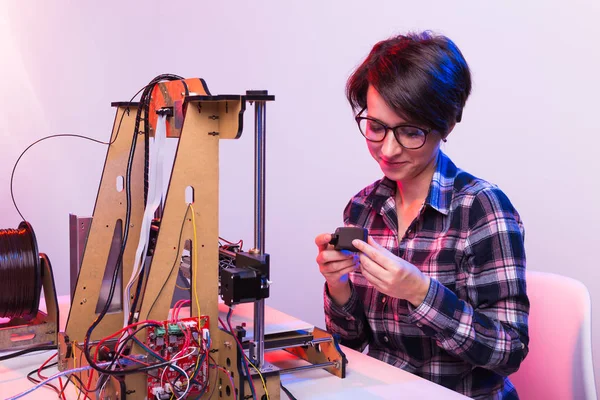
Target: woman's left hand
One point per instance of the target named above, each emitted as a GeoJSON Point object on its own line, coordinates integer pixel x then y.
{"type": "Point", "coordinates": [390, 274]}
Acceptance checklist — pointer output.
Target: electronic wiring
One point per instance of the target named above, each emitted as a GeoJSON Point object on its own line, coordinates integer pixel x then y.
{"type": "Point", "coordinates": [246, 358]}
{"type": "Point", "coordinates": [26, 351]}
{"type": "Point", "coordinates": [12, 175]}
{"type": "Point", "coordinates": [241, 349]}
{"type": "Point", "coordinates": [121, 362]}
{"type": "Point", "coordinates": [53, 377]}
{"type": "Point", "coordinates": [145, 98]}
{"type": "Point", "coordinates": [38, 371]}
{"type": "Point", "coordinates": [194, 259]}
{"type": "Point", "coordinates": [261, 378]}
{"type": "Point", "coordinates": [287, 392]}
{"type": "Point", "coordinates": [177, 258]}
{"type": "Point", "coordinates": [144, 105]}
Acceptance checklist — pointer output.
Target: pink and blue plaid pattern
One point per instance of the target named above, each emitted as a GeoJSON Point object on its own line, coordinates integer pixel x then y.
{"type": "Point", "coordinates": [470, 332]}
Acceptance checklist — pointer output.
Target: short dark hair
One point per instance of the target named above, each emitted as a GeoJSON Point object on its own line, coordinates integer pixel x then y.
{"type": "Point", "coordinates": [422, 76]}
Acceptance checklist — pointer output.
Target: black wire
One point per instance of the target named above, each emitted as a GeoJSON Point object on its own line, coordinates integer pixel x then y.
{"type": "Point", "coordinates": [145, 101]}
{"type": "Point", "coordinates": [133, 370]}
{"type": "Point", "coordinates": [155, 354]}
{"type": "Point", "coordinates": [123, 347]}
{"type": "Point", "coordinates": [138, 289]}
{"type": "Point", "coordinates": [160, 358]}
{"type": "Point", "coordinates": [82, 386]}
{"type": "Point", "coordinates": [187, 210]}
{"type": "Point", "coordinates": [145, 107]}
{"type": "Point", "coordinates": [245, 366]}
{"type": "Point", "coordinates": [289, 394]}
{"type": "Point", "coordinates": [65, 135]}
{"type": "Point", "coordinates": [122, 388]}
{"type": "Point", "coordinates": [12, 175]}
{"type": "Point", "coordinates": [143, 326]}
{"type": "Point", "coordinates": [34, 380]}
{"type": "Point", "coordinates": [117, 269]}
{"type": "Point", "coordinates": [186, 284]}
{"type": "Point", "coordinates": [26, 351]}
{"type": "Point", "coordinates": [118, 263]}
{"type": "Point", "coordinates": [212, 392]}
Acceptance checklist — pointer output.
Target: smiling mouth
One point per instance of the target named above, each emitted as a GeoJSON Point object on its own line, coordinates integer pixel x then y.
{"type": "Point", "coordinates": [393, 163]}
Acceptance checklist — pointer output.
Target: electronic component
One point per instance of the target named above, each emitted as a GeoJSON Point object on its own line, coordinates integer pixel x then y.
{"type": "Point", "coordinates": [176, 353]}
{"type": "Point", "coordinates": [248, 281]}
{"type": "Point", "coordinates": [187, 352]}
{"type": "Point", "coordinates": [343, 237]}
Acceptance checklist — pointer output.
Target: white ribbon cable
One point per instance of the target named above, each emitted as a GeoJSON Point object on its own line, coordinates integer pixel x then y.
{"type": "Point", "coordinates": [154, 198]}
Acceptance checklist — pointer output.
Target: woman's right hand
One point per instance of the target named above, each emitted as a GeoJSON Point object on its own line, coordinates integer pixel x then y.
{"type": "Point", "coordinates": [334, 266]}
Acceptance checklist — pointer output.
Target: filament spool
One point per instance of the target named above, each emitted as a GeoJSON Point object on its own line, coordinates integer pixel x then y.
{"type": "Point", "coordinates": [20, 273]}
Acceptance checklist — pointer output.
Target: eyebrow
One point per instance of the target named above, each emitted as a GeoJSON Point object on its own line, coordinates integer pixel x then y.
{"type": "Point", "coordinates": [414, 125]}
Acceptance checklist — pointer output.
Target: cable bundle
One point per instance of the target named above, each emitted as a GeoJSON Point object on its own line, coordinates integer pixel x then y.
{"type": "Point", "coordinates": [20, 273]}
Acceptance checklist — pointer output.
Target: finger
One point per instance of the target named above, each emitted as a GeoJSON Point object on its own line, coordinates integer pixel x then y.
{"type": "Point", "coordinates": [322, 241]}
{"type": "Point", "coordinates": [335, 276]}
{"type": "Point", "coordinates": [378, 246]}
{"type": "Point", "coordinates": [338, 265]}
{"type": "Point", "coordinates": [374, 253]}
{"type": "Point", "coordinates": [327, 256]}
{"type": "Point", "coordinates": [359, 244]}
{"type": "Point", "coordinates": [373, 269]}
{"type": "Point", "coordinates": [373, 280]}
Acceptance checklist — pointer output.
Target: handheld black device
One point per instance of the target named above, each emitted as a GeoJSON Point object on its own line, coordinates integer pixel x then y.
{"type": "Point", "coordinates": [343, 237]}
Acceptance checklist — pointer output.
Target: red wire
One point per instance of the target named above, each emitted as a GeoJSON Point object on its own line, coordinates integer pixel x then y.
{"type": "Point", "coordinates": [120, 331]}
{"type": "Point", "coordinates": [240, 242]}
{"type": "Point", "coordinates": [241, 350]}
{"type": "Point", "coordinates": [42, 377]}
{"type": "Point", "coordinates": [39, 371]}
{"type": "Point", "coordinates": [175, 313]}
{"type": "Point", "coordinates": [62, 388]}
{"type": "Point", "coordinates": [177, 309]}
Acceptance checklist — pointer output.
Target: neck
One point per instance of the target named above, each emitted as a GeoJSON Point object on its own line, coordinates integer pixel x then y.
{"type": "Point", "coordinates": [410, 193]}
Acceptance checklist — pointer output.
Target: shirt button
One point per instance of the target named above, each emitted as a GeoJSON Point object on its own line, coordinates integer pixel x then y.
{"type": "Point", "coordinates": [386, 339]}
{"type": "Point", "coordinates": [383, 299]}
{"type": "Point", "coordinates": [420, 325]}
{"type": "Point", "coordinates": [348, 318]}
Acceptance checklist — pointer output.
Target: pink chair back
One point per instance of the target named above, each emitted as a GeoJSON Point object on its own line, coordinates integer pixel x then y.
{"type": "Point", "coordinates": [559, 364]}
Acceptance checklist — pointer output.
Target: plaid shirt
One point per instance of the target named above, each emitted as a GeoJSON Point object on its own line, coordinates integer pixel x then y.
{"type": "Point", "coordinates": [471, 331]}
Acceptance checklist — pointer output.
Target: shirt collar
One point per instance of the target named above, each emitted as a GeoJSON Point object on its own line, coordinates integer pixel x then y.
{"type": "Point", "coordinates": [441, 188]}
{"type": "Point", "coordinates": [440, 192]}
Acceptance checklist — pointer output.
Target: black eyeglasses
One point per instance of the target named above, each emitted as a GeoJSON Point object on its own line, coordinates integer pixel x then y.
{"type": "Point", "coordinates": [408, 136]}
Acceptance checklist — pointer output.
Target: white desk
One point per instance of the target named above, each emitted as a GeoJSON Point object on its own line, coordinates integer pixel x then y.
{"type": "Point", "coordinates": [366, 378]}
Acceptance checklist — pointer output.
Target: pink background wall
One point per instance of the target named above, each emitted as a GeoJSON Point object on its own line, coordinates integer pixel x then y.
{"type": "Point", "coordinates": [530, 126]}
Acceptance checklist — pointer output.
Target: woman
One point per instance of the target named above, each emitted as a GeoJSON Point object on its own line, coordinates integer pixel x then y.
{"type": "Point", "coordinates": [439, 289]}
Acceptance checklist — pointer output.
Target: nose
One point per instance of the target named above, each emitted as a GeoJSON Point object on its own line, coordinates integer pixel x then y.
{"type": "Point", "coordinates": [390, 146]}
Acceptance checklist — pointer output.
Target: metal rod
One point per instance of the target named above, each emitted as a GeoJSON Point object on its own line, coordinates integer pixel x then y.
{"type": "Point", "coordinates": [260, 113]}
{"type": "Point", "coordinates": [305, 367]}
{"type": "Point", "coordinates": [307, 343]}
{"type": "Point", "coordinates": [259, 175]}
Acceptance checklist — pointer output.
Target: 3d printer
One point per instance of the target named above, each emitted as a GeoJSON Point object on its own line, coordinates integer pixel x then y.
{"type": "Point", "coordinates": [128, 257]}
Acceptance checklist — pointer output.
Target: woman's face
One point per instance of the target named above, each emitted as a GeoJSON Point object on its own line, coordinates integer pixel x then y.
{"type": "Point", "coordinates": [396, 162]}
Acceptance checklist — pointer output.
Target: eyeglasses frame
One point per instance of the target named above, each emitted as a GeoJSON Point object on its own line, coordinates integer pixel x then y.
{"type": "Point", "coordinates": [359, 118]}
